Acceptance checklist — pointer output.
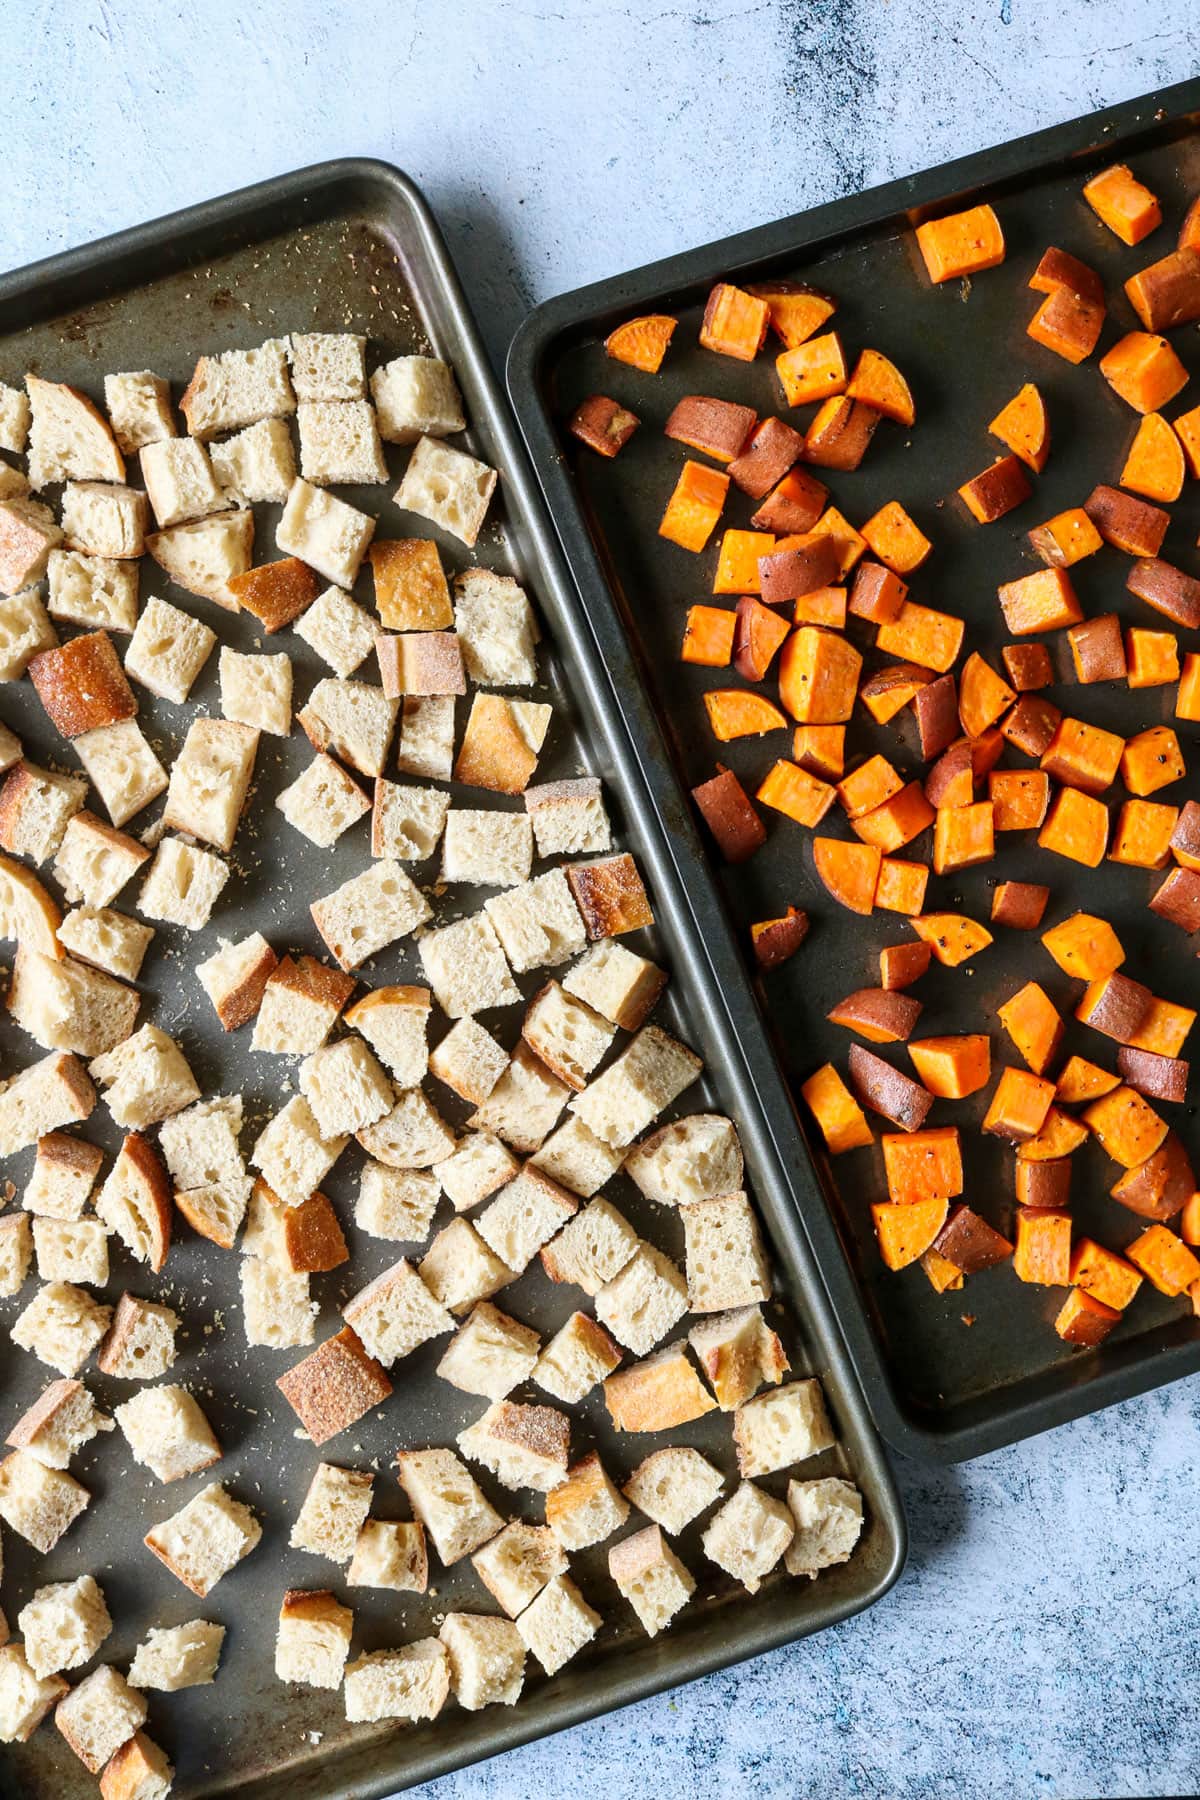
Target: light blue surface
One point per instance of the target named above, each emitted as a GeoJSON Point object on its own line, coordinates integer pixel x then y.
{"type": "Point", "coordinates": [1044, 1640]}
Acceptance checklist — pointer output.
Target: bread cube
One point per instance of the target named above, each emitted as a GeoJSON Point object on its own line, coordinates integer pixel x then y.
{"type": "Point", "coordinates": [300, 1006]}
{"type": "Point", "coordinates": [621, 986]}
{"type": "Point", "coordinates": [828, 1516]}
{"type": "Point", "coordinates": [726, 1263]}
{"type": "Point", "coordinates": [345, 1087]}
{"type": "Point", "coordinates": [412, 1136]}
{"type": "Point", "coordinates": [200, 1145]}
{"type": "Point", "coordinates": [24, 1699]}
{"type": "Point", "coordinates": [565, 1035]}
{"type": "Point", "coordinates": [147, 1078]}
{"type": "Point", "coordinates": [237, 388]}
{"type": "Point", "coordinates": [61, 1326]}
{"type": "Point", "coordinates": [417, 396]}
{"type": "Point", "coordinates": [37, 1502]}
{"type": "Point", "coordinates": [122, 768]}
{"type": "Point", "coordinates": [257, 691]}
{"type": "Point", "coordinates": [420, 662]}
{"type": "Point", "coordinates": [277, 1311]}
{"type": "Point", "coordinates": [469, 1060]}
{"type": "Point", "coordinates": [487, 848]}
{"type": "Point", "coordinates": [657, 1394]}
{"type": "Point", "coordinates": [138, 1771]}
{"type": "Point", "coordinates": [411, 592]}
{"type": "Point", "coordinates": [393, 1020]}
{"type": "Point", "coordinates": [168, 650]}
{"type": "Point", "coordinates": [409, 1684]}
{"type": "Point", "coordinates": [487, 1660]}
{"type": "Point", "coordinates": [448, 487]}
{"type": "Point", "coordinates": [579, 1355]}
{"type": "Point", "coordinates": [518, 1562]}
{"type": "Point", "coordinates": [466, 967]}
{"type": "Point", "coordinates": [340, 632]}
{"type": "Point", "coordinates": [183, 886]}
{"type": "Point", "coordinates": [59, 1423]}
{"type": "Point", "coordinates": [558, 1624]}
{"type": "Point", "coordinates": [71, 1250]}
{"type": "Point", "coordinates": [36, 806]}
{"type": "Point", "coordinates": [302, 1240]}
{"type": "Point", "coordinates": [651, 1577]}
{"type": "Point", "coordinates": [368, 912]}
{"type": "Point", "coordinates": [593, 1249]}
{"type": "Point", "coordinates": [235, 978]}
{"type": "Point", "coordinates": [256, 464]}
{"type": "Point", "coordinates": [14, 419]}
{"type": "Point", "coordinates": [334, 1510]}
{"type": "Point", "coordinates": [313, 1639]}
{"type": "Point", "coordinates": [674, 1486]}
{"type": "Point", "coordinates": [51, 1093]}
{"type": "Point", "coordinates": [205, 556]}
{"type": "Point", "coordinates": [25, 629]}
{"type": "Point", "coordinates": [537, 923]}
{"type": "Point", "coordinates": [96, 592]}
{"type": "Point", "coordinates": [568, 817]}
{"type": "Point", "coordinates": [210, 779]}
{"type": "Point", "coordinates": [426, 736]}
{"type": "Point", "coordinates": [354, 719]}
{"type": "Point", "coordinates": [69, 437]}
{"type": "Point", "coordinates": [174, 1657]}
{"type": "Point", "coordinates": [577, 1158]}
{"type": "Point", "coordinates": [478, 1165]}
{"type": "Point", "coordinates": [500, 745]}
{"type": "Point", "coordinates": [642, 1303]}
{"type": "Point", "coordinates": [524, 1216]}
{"type": "Point", "coordinates": [339, 442]}
{"type": "Point", "coordinates": [524, 1104]}
{"type": "Point", "coordinates": [324, 532]}
{"type": "Point", "coordinates": [523, 1446]}
{"type": "Point", "coordinates": [748, 1535]}
{"type": "Point", "coordinates": [781, 1428]}
{"type": "Point", "coordinates": [738, 1352]}
{"type": "Point", "coordinates": [104, 519]}
{"type": "Point", "coordinates": [28, 533]}
{"type": "Point", "coordinates": [390, 1553]}
{"type": "Point", "coordinates": [180, 481]}
{"type": "Point", "coordinates": [168, 1433]}
{"type": "Point", "coordinates": [275, 592]}
{"type": "Point", "coordinates": [407, 821]}
{"type": "Point", "coordinates": [323, 802]}
{"type": "Point", "coordinates": [205, 1539]}
{"type": "Point", "coordinates": [16, 1254]}
{"type": "Point", "coordinates": [63, 1625]}
{"type": "Point", "coordinates": [490, 1355]}
{"type": "Point", "coordinates": [291, 1153]}
{"type": "Point", "coordinates": [448, 1502]}
{"type": "Point", "coordinates": [396, 1313]}
{"type": "Point", "coordinates": [497, 628]}
{"type": "Point", "coordinates": [140, 1344]}
{"type": "Point", "coordinates": [66, 1005]}
{"type": "Point", "coordinates": [459, 1269]}
{"type": "Point", "coordinates": [586, 1508]}
{"type": "Point", "coordinates": [610, 896]}
{"type": "Point", "coordinates": [139, 409]}
{"type": "Point", "coordinates": [334, 1386]}
{"type": "Point", "coordinates": [396, 1204]}
{"type": "Point", "coordinates": [649, 1074]}
{"type": "Point", "coordinates": [691, 1160]}
{"type": "Point", "coordinates": [106, 940]}
{"type": "Point", "coordinates": [328, 365]}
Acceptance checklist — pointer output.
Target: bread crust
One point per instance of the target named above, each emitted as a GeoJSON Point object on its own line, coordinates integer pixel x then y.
{"type": "Point", "coordinates": [82, 684]}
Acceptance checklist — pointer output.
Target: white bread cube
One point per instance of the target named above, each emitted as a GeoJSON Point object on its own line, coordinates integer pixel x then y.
{"type": "Point", "coordinates": [204, 556]}
{"type": "Point", "coordinates": [466, 967]}
{"type": "Point", "coordinates": [459, 1270]}
{"type": "Point", "coordinates": [621, 986]}
{"type": "Point", "coordinates": [168, 650]}
{"type": "Point", "coordinates": [28, 533]}
{"type": "Point", "coordinates": [63, 1625]}
{"type": "Point", "coordinates": [257, 464]}
{"type": "Point", "coordinates": [328, 365]}
{"type": "Point", "coordinates": [59, 1423]}
{"type": "Point", "coordinates": [168, 1433]}
{"type": "Point", "coordinates": [291, 1153]}
{"type": "Point", "coordinates": [257, 691]}
{"type": "Point", "coordinates": [368, 912]}
{"type": "Point", "coordinates": [25, 629]}
{"type": "Point", "coordinates": [147, 1078]}
{"type": "Point", "coordinates": [426, 736]}
{"type": "Point", "coordinates": [487, 1660]}
{"type": "Point", "coordinates": [396, 1204]}
{"type": "Point", "coordinates": [174, 1657]}
{"type": "Point", "coordinates": [277, 1312]}
{"type": "Point", "coordinates": [139, 409]}
{"type": "Point", "coordinates": [448, 487]}
{"type": "Point", "coordinates": [586, 1508]}
{"type": "Point", "coordinates": [828, 1516]}
{"type": "Point", "coordinates": [644, 1302]}
{"type": "Point", "coordinates": [38, 1503]}
{"type": "Point", "coordinates": [524, 1105]}
{"type": "Point", "coordinates": [490, 1355]}
{"type": "Point", "coordinates": [16, 1253]}
{"type": "Point", "coordinates": [300, 1005]}
{"type": "Point", "coordinates": [651, 1072]}
{"type": "Point", "coordinates": [558, 1624]}
{"type": "Point", "coordinates": [94, 861]}
{"type": "Point", "coordinates": [313, 1639]}
{"type": "Point", "coordinates": [501, 743]}
{"type": "Point", "coordinates": [334, 1510]}
{"type": "Point", "coordinates": [523, 1216]}
{"type": "Point", "coordinates": [412, 1136]}
{"type": "Point", "coordinates": [417, 396]}
{"type": "Point", "coordinates": [477, 1166]}
{"type": "Point", "coordinates": [235, 978]}
{"type": "Point", "coordinates": [215, 1211]}
{"type": "Point", "coordinates": [71, 1250]}
{"type": "Point", "coordinates": [468, 1060]}
{"type": "Point", "coordinates": [409, 1684]}
{"type": "Point", "coordinates": [393, 1020]}
{"type": "Point", "coordinates": [781, 1428]}
{"type": "Point", "coordinates": [345, 1087]}
{"type": "Point", "coordinates": [693, 1159]}
{"type": "Point", "coordinates": [14, 418]}
{"type": "Point", "coordinates": [537, 923]}
{"type": "Point", "coordinates": [569, 817]}
{"type": "Point", "coordinates": [323, 802]}
{"type": "Point", "coordinates": [36, 806]}
{"type": "Point", "coordinates": [518, 1562]}
{"type": "Point", "coordinates": [135, 1201]}
{"type": "Point", "coordinates": [593, 1249]}
{"type": "Point", "coordinates": [353, 719]}
{"type": "Point", "coordinates": [300, 1240]}
{"type": "Point", "coordinates": [674, 1486]}
{"type": "Point", "coordinates": [183, 886]}
{"type": "Point", "coordinates": [567, 1036]}
{"type": "Point", "coordinates": [140, 1345]}
{"type": "Point", "coordinates": [487, 848]}
{"type": "Point", "coordinates": [497, 628]}
{"type": "Point", "coordinates": [138, 1771]}
{"type": "Point", "coordinates": [725, 1260]}
{"type": "Point", "coordinates": [748, 1535]}
{"type": "Point", "coordinates": [24, 1699]}
{"type": "Point", "coordinates": [339, 442]}
{"type": "Point", "coordinates": [651, 1577]}
{"type": "Point", "coordinates": [738, 1352]}
{"type": "Point", "coordinates": [107, 940]}
{"type": "Point", "coordinates": [180, 482]}
{"type": "Point", "coordinates": [448, 1502]}
{"type": "Point", "coordinates": [200, 1145]}
{"type": "Point", "coordinates": [65, 1005]}
{"type": "Point", "coordinates": [396, 1313]}
{"type": "Point", "coordinates": [51, 1093]}
{"type": "Point", "coordinates": [122, 768]}
{"type": "Point", "coordinates": [210, 779]}
{"type": "Point", "coordinates": [579, 1355]}
{"type": "Point", "coordinates": [407, 821]}
{"type": "Point", "coordinates": [61, 1326]}
{"type": "Point", "coordinates": [69, 437]}
{"type": "Point", "coordinates": [96, 592]}
{"type": "Point", "coordinates": [324, 532]}
{"type": "Point", "coordinates": [205, 1539]}
{"type": "Point", "coordinates": [577, 1158]}
{"type": "Point", "coordinates": [523, 1446]}
{"type": "Point", "coordinates": [104, 519]}
{"type": "Point", "coordinates": [390, 1553]}
{"type": "Point", "coordinates": [338, 629]}
{"type": "Point", "coordinates": [237, 388]}
{"type": "Point", "coordinates": [657, 1394]}
{"type": "Point", "coordinates": [420, 662]}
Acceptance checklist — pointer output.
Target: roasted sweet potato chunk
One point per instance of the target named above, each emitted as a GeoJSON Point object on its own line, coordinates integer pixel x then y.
{"type": "Point", "coordinates": [963, 836]}
{"type": "Point", "coordinates": [1085, 946]}
{"type": "Point", "coordinates": [888, 691]}
{"type": "Point", "coordinates": [1103, 1274]}
{"type": "Point", "coordinates": [1031, 725]}
{"type": "Point", "coordinates": [841, 1119]}
{"type": "Point", "coordinates": [1157, 1077]}
{"type": "Point", "coordinates": [815, 370]}
{"type": "Point", "coordinates": [1126, 1126]}
{"type": "Point", "coordinates": [970, 1243]}
{"type": "Point", "coordinates": [1098, 649]}
{"type": "Point", "coordinates": [1178, 899]}
{"type": "Point", "coordinates": [1059, 269]}
{"type": "Point", "coordinates": [758, 635]}
{"type": "Point", "coordinates": [879, 384]}
{"type": "Point", "coordinates": [1018, 1107]}
{"type": "Point", "coordinates": [840, 434]}
{"type": "Point", "coordinates": [1167, 589]}
{"type": "Point", "coordinates": [795, 311]}
{"type": "Point", "coordinates": [953, 1067]}
{"type": "Point", "coordinates": [1142, 837]}
{"type": "Point", "coordinates": [1144, 370]}
{"type": "Point", "coordinates": [1151, 658]}
{"type": "Point", "coordinates": [952, 937]}
{"type": "Point", "coordinates": [1042, 1253]}
{"type": "Point", "coordinates": [1019, 904]}
{"type": "Point", "coordinates": [1044, 1184]}
{"type": "Point", "coordinates": [1114, 1004]}
{"type": "Point", "coordinates": [1164, 1260]}
{"type": "Point", "coordinates": [1023, 426]}
{"type": "Point", "coordinates": [1151, 760]}
{"type": "Point", "coordinates": [824, 606]}
{"type": "Point", "coordinates": [1019, 798]}
{"type": "Point", "coordinates": [602, 424]}
{"type": "Point", "coordinates": [794, 505]}
{"type": "Point", "coordinates": [1083, 1080]}
{"type": "Point", "coordinates": [1066, 538]}
{"type": "Point", "coordinates": [951, 781]}
{"type": "Point", "coordinates": [1045, 601]}
{"type": "Point", "coordinates": [868, 786]}
{"type": "Point", "coordinates": [922, 635]}
{"type": "Point", "coordinates": [896, 821]}
{"type": "Point", "coordinates": [791, 790]}
{"type": "Point", "coordinates": [789, 574]}
{"type": "Point", "coordinates": [996, 491]}
{"type": "Point", "coordinates": [1154, 466]}
{"type": "Point", "coordinates": [726, 810]}
{"type": "Point", "coordinates": [1123, 203]}
{"type": "Point", "coordinates": [1067, 323]}
{"type": "Point", "coordinates": [1033, 1023]}
{"type": "Point", "coordinates": [905, 1233]}
{"type": "Point", "coordinates": [962, 243]}
{"type": "Point", "coordinates": [719, 428]}
{"type": "Point", "coordinates": [902, 964]}
{"type": "Point", "coordinates": [735, 713]}
{"type": "Point", "coordinates": [1128, 524]}
{"type": "Point", "coordinates": [881, 1015]}
{"type": "Point", "coordinates": [821, 749]}
{"type": "Point", "coordinates": [767, 456]}
{"type": "Point", "coordinates": [1076, 827]}
{"type": "Point", "coordinates": [818, 676]}
{"type": "Point", "coordinates": [983, 696]}
{"type": "Point", "coordinates": [642, 343]}
{"type": "Point", "coordinates": [708, 636]}
{"type": "Point", "coordinates": [895, 539]}
{"type": "Point", "coordinates": [1084, 756]}
{"type": "Point", "coordinates": [901, 886]}
{"type": "Point", "coordinates": [1084, 1320]}
{"type": "Point", "coordinates": [695, 506]}
{"type": "Point", "coordinates": [886, 1091]}
{"type": "Point", "coordinates": [737, 561]}
{"type": "Point", "coordinates": [1167, 293]}
{"type": "Point", "coordinates": [923, 1165]}
{"type": "Point", "coordinates": [777, 940]}
{"type": "Point", "coordinates": [849, 872]}
{"type": "Point", "coordinates": [1185, 839]}
{"type": "Point", "coordinates": [1161, 1186]}
{"type": "Point", "coordinates": [735, 322]}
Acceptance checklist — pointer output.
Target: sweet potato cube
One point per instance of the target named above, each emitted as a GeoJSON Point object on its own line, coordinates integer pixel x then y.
{"type": "Point", "coordinates": [735, 322]}
{"type": "Point", "coordinates": [905, 1233]}
{"type": "Point", "coordinates": [890, 690]}
{"type": "Point", "coordinates": [821, 749]}
{"type": "Point", "coordinates": [1060, 1136]}
{"type": "Point", "coordinates": [758, 635]}
{"type": "Point", "coordinates": [963, 836]}
{"type": "Point", "coordinates": [642, 343]}
{"type": "Point", "coordinates": [775, 940]}
{"type": "Point", "coordinates": [996, 491]}
{"type": "Point", "coordinates": [901, 888]}
{"type": "Point", "coordinates": [1187, 430]}
{"type": "Point", "coordinates": [1019, 798]}
{"type": "Point", "coordinates": [795, 309]}
{"type": "Point", "coordinates": [1113, 1004]}
{"type": "Point", "coordinates": [1154, 466]}
{"type": "Point", "coordinates": [818, 676]}
{"type": "Point", "coordinates": [719, 428]}
{"type": "Point", "coordinates": [1067, 323]}
{"type": "Point", "coordinates": [1189, 1222]}
{"type": "Point", "coordinates": [694, 507]}
{"type": "Point", "coordinates": [881, 1015]}
{"type": "Point", "coordinates": [1185, 839]}
{"type": "Point", "coordinates": [953, 1067]}
{"type": "Point", "coordinates": [1083, 1320]}
{"type": "Point", "coordinates": [708, 636]}
{"type": "Point", "coordinates": [1126, 1126]}
{"type": "Point", "coordinates": [850, 545]}
{"type": "Point", "coordinates": [840, 434]}
{"type": "Point", "coordinates": [791, 790]}
{"type": "Point", "coordinates": [1076, 827]}
{"type": "Point", "coordinates": [1164, 1260]}
{"type": "Point", "coordinates": [1128, 524]}
{"type": "Point", "coordinates": [1123, 203]}
{"type": "Point", "coordinates": [1143, 834]}
{"type": "Point", "coordinates": [896, 540]}
{"type": "Point", "coordinates": [1024, 427]}
{"type": "Point", "coordinates": [1103, 1274]}
{"type": "Point", "coordinates": [1019, 1105]}
{"type": "Point", "coordinates": [983, 696]}
{"type": "Point", "coordinates": [1144, 370]}
{"type": "Point", "coordinates": [814, 370]}
{"type": "Point", "coordinates": [726, 810]}
{"type": "Point", "coordinates": [824, 606]}
{"type": "Point", "coordinates": [1098, 649]}
{"type": "Point", "coordinates": [1043, 601]}
{"type": "Point", "coordinates": [1164, 1028]}
{"type": "Point", "coordinates": [1042, 1253]}
{"type": "Point", "coordinates": [922, 635]}
{"type": "Point", "coordinates": [923, 1165]}
{"type": "Point", "coordinates": [970, 1243]}
{"type": "Point", "coordinates": [1066, 538]}
{"type": "Point", "coordinates": [1152, 760]}
{"type": "Point", "coordinates": [886, 1091]}
{"type": "Point", "coordinates": [1058, 269]}
{"type": "Point", "coordinates": [1083, 756]}
{"type": "Point", "coordinates": [1187, 698]}
{"type": "Point", "coordinates": [952, 937]}
{"type": "Point", "coordinates": [897, 821]}
{"type": "Point", "coordinates": [1155, 1077]}
{"type": "Point", "coordinates": [868, 786]}
{"type": "Point", "coordinates": [736, 713]}
{"type": "Point", "coordinates": [879, 384]}
{"type": "Point", "coordinates": [1031, 724]}
{"type": "Point", "coordinates": [1019, 904]}
{"type": "Point", "coordinates": [737, 561]}
{"type": "Point", "coordinates": [877, 594]}
{"type": "Point", "coordinates": [603, 424]}
{"type": "Point", "coordinates": [1159, 1187]}
{"type": "Point", "coordinates": [1189, 231]}
{"type": "Point", "coordinates": [1177, 898]}
{"type": "Point", "coordinates": [1085, 946]}
{"type": "Point", "coordinates": [794, 505]}
{"type": "Point", "coordinates": [842, 1120]}
{"type": "Point", "coordinates": [849, 872]}
{"type": "Point", "coordinates": [1151, 658]}
{"type": "Point", "coordinates": [1083, 1080]}
{"type": "Point", "coordinates": [796, 567]}
{"type": "Point", "coordinates": [962, 243]}
{"type": "Point", "coordinates": [1044, 1184]}
{"type": "Point", "coordinates": [767, 456]}
{"type": "Point", "coordinates": [944, 1278]}
{"type": "Point", "coordinates": [1032, 1022]}
{"type": "Point", "coordinates": [902, 964]}
{"type": "Point", "coordinates": [936, 710]}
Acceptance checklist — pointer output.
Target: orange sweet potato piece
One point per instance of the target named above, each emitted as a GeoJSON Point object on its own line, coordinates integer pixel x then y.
{"type": "Point", "coordinates": [1097, 649]}
{"type": "Point", "coordinates": [1167, 293]}
{"type": "Point", "coordinates": [821, 749]}
{"type": "Point", "coordinates": [1103, 1274]}
{"type": "Point", "coordinates": [814, 370]}
{"type": "Point", "coordinates": [1059, 269]}
{"type": "Point", "coordinates": [901, 888]}
{"type": "Point", "coordinates": [1187, 430]}
{"type": "Point", "coordinates": [897, 821]}
{"type": "Point", "coordinates": [791, 790]}
{"type": "Point", "coordinates": [1076, 827]}
{"type": "Point", "coordinates": [1164, 1260]}
{"type": "Point", "coordinates": [1164, 1028]}
{"type": "Point", "coordinates": [793, 506]}
{"type": "Point", "coordinates": [888, 691]}
{"type": "Point", "coordinates": [1023, 427]}
{"type": "Point", "coordinates": [1084, 1320]}
{"type": "Point", "coordinates": [951, 781]}
{"type": "Point", "coordinates": [719, 428]}
{"type": "Point", "coordinates": [735, 322]}
{"type": "Point", "coordinates": [1187, 700]}
{"type": "Point", "coordinates": [868, 786]}
{"type": "Point", "coordinates": [963, 836]}
{"type": "Point", "coordinates": [797, 566]}
{"type": "Point", "coordinates": [881, 1015]}
{"type": "Point", "coordinates": [962, 243]}
{"type": "Point", "coordinates": [1128, 524]}
{"type": "Point", "coordinates": [896, 540]}
{"type": "Point", "coordinates": [1066, 538]}
{"type": "Point", "coordinates": [1123, 203]}
{"type": "Point", "coordinates": [602, 424]}
{"type": "Point", "coordinates": [879, 384]}
{"type": "Point", "coordinates": [1159, 1187]}
{"type": "Point", "coordinates": [850, 544]}
{"type": "Point", "coordinates": [1067, 323]}
{"type": "Point", "coordinates": [1189, 231]}
{"type": "Point", "coordinates": [996, 491]}
{"type": "Point", "coordinates": [1019, 1105]}
{"type": "Point", "coordinates": [842, 1120]}
{"type": "Point", "coordinates": [1151, 658]}
{"type": "Point", "coordinates": [970, 1243]}
{"type": "Point", "coordinates": [735, 713]}
{"type": "Point", "coordinates": [1083, 756]}
{"type": "Point", "coordinates": [737, 561]}
{"type": "Point", "coordinates": [840, 433]}
{"type": "Point", "coordinates": [1033, 1023]}
{"type": "Point", "coordinates": [1189, 1221]}
{"type": "Point", "coordinates": [725, 808]}
{"type": "Point", "coordinates": [952, 1067]}
{"type": "Point", "coordinates": [1167, 589]}
{"type": "Point", "coordinates": [923, 1165]}
{"type": "Point", "coordinates": [1083, 1080]}
{"type": "Point", "coordinates": [878, 593]}
{"type": "Point", "coordinates": [1115, 1005]}
{"type": "Point", "coordinates": [1019, 904]}
{"type": "Point", "coordinates": [758, 635]}
{"type": "Point", "coordinates": [818, 676]}
{"type": "Point", "coordinates": [1044, 1184]}
{"type": "Point", "coordinates": [1126, 1126]}
{"type": "Point", "coordinates": [1019, 798]}
{"type": "Point", "coordinates": [922, 635]}
{"type": "Point", "coordinates": [983, 696]}
{"type": "Point", "coordinates": [796, 311]}
{"type": "Point", "coordinates": [765, 460]}
{"type": "Point", "coordinates": [1031, 725]}
{"type": "Point", "coordinates": [1144, 370]}
{"type": "Point", "coordinates": [708, 636]}
{"type": "Point", "coordinates": [1154, 466]}
{"type": "Point", "coordinates": [1185, 839]}
{"type": "Point", "coordinates": [951, 937]}
{"type": "Point", "coordinates": [1043, 1248]}
{"type": "Point", "coordinates": [694, 507]}
{"type": "Point", "coordinates": [1044, 601]}
{"type": "Point", "coordinates": [907, 1232]}
{"type": "Point", "coordinates": [642, 343]}
{"type": "Point", "coordinates": [848, 872]}
{"type": "Point", "coordinates": [944, 1278]}
{"type": "Point", "coordinates": [1085, 946]}
{"type": "Point", "coordinates": [1142, 837]}
{"type": "Point", "coordinates": [1060, 1136]}
{"type": "Point", "coordinates": [775, 940]}
{"type": "Point", "coordinates": [1151, 760]}
{"type": "Point", "coordinates": [882, 1087]}
{"type": "Point", "coordinates": [902, 964]}
{"type": "Point", "coordinates": [824, 606]}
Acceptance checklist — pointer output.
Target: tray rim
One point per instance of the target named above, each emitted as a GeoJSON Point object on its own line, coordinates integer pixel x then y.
{"type": "Point", "coordinates": [103, 267]}
{"type": "Point", "coordinates": [1118, 128]}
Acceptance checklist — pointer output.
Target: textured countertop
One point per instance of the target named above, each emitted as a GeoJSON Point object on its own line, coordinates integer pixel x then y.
{"type": "Point", "coordinates": [1043, 1641]}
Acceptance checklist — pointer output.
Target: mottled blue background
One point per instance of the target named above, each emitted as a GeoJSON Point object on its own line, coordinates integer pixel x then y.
{"type": "Point", "coordinates": [1044, 1638]}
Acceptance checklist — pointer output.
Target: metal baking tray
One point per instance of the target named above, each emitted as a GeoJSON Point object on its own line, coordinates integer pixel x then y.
{"type": "Point", "coordinates": [352, 245]}
{"type": "Point", "coordinates": [940, 1384]}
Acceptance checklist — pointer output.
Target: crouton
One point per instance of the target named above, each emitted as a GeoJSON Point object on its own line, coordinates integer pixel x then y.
{"type": "Point", "coordinates": [257, 691]}
{"type": "Point", "coordinates": [523, 1446]}
{"type": "Point", "coordinates": [25, 628]}
{"type": "Point", "coordinates": [558, 1624]}
{"type": "Point", "coordinates": [180, 482]}
{"type": "Point", "coordinates": [693, 1159]}
{"type": "Point", "coordinates": [291, 1153]}
{"type": "Point", "coordinates": [469, 1060]}
{"type": "Point", "coordinates": [135, 1200]}
{"type": "Point", "coordinates": [174, 1657]}
{"type": "Point", "coordinates": [568, 817]}
{"type": "Point", "coordinates": [518, 1562]}
{"type": "Point", "coordinates": [466, 966]}
{"type": "Point", "coordinates": [487, 848]}
{"type": "Point", "coordinates": [412, 1136]}
{"type": "Point", "coordinates": [411, 591]}
{"type": "Point", "coordinates": [339, 442]}
{"type": "Point", "coordinates": [497, 628]}
{"type": "Point", "coordinates": [651, 1577]}
{"type": "Point", "coordinates": [340, 632]}
{"type": "Point", "coordinates": [54, 1092]}
{"type": "Point", "coordinates": [345, 1087]}
{"type": "Point", "coordinates": [324, 532]}
{"type": "Point", "coordinates": [65, 1005]}
{"type": "Point", "coordinates": [448, 1502]}
{"type": "Point", "coordinates": [100, 519]}
{"type": "Point", "coordinates": [585, 1508]}
{"type": "Point", "coordinates": [139, 409]}
{"type": "Point", "coordinates": [642, 1303]}
{"type": "Point", "coordinates": [368, 912]}
{"type": "Point", "coordinates": [593, 1249]}
{"type": "Point", "coordinates": [64, 1174]}
{"type": "Point", "coordinates": [38, 1503]}
{"type": "Point", "coordinates": [256, 464]}
{"type": "Point", "coordinates": [304, 1240]}
{"type": "Point", "coordinates": [580, 1354]}
{"type": "Point", "coordinates": [71, 1250]}
{"type": "Point", "coordinates": [674, 1486]}
{"type": "Point", "coordinates": [334, 1510]}
{"type": "Point", "coordinates": [407, 821]}
{"type": "Point", "coordinates": [210, 779]}
{"type": "Point", "coordinates": [205, 556]}
{"type": "Point", "coordinates": [738, 1353]}
{"type": "Point", "coordinates": [168, 1433]}
{"type": "Point", "coordinates": [205, 1539]}
{"type": "Point", "coordinates": [36, 806]}
{"type": "Point", "coordinates": [537, 923]}
{"type": "Point", "coordinates": [10, 749]}
{"type": "Point", "coordinates": [565, 1035]}
{"type": "Point", "coordinates": [63, 1625]}
{"type": "Point", "coordinates": [781, 1428]}
{"type": "Point", "coordinates": [459, 1270]}
{"type": "Point", "coordinates": [323, 802]}
{"type": "Point", "coordinates": [410, 1684]}
{"type": "Point", "coordinates": [487, 1660]}
{"type": "Point", "coordinates": [275, 592]}
{"type": "Point", "coordinates": [828, 1516]}
{"type": "Point", "coordinates": [420, 662]}
{"type": "Point", "coordinates": [183, 886]}
{"type": "Point", "coordinates": [313, 1639]}
{"type": "Point", "coordinates": [201, 1144]}
{"type": "Point", "coordinates": [524, 1104]}
{"type": "Point", "coordinates": [621, 986]}
{"type": "Point", "coordinates": [610, 896]}
{"type": "Point", "coordinates": [748, 1535]}
{"type": "Point", "coordinates": [28, 534]}
{"type": "Point", "coordinates": [426, 736]}
{"type": "Point", "coordinates": [500, 745]}
{"type": "Point", "coordinates": [490, 1355]}
{"type": "Point", "coordinates": [300, 1005]}
{"type": "Point", "coordinates": [107, 940]}
{"type": "Point", "coordinates": [24, 1699]}
{"type": "Point", "coordinates": [328, 365]}
{"type": "Point", "coordinates": [237, 388]}
{"type": "Point", "coordinates": [577, 1158]}
{"type": "Point", "coordinates": [475, 1168]}
{"type": "Point", "coordinates": [390, 1553]}
{"type": "Point", "coordinates": [59, 1423]}
{"type": "Point", "coordinates": [353, 719]}
{"type": "Point", "coordinates": [654, 1395]}
{"type": "Point", "coordinates": [448, 487]}
{"type": "Point", "coordinates": [416, 396]}
{"type": "Point", "coordinates": [168, 650]}
{"type": "Point", "coordinates": [235, 978]}
{"type": "Point", "coordinates": [14, 419]}
{"type": "Point", "coordinates": [138, 1771]}
{"type": "Point", "coordinates": [96, 592]}
{"type": "Point", "coordinates": [651, 1072]}
{"type": "Point", "coordinates": [523, 1216]}
{"type": "Point", "coordinates": [122, 768]}
{"type": "Point", "coordinates": [725, 1261]}
{"type": "Point", "coordinates": [140, 1343]}
{"type": "Point", "coordinates": [393, 1020]}
{"type": "Point", "coordinates": [396, 1313]}
{"type": "Point", "coordinates": [334, 1386]}
{"type": "Point", "coordinates": [61, 1326]}
{"type": "Point", "coordinates": [69, 437]}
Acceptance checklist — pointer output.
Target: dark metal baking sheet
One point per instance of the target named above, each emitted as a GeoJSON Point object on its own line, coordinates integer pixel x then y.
{"type": "Point", "coordinates": [351, 245]}
{"type": "Point", "coordinates": [939, 1384]}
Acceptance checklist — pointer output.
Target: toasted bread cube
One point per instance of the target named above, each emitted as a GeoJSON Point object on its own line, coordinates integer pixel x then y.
{"type": "Point", "coordinates": [103, 519]}
{"type": "Point", "coordinates": [210, 779]}
{"type": "Point", "coordinates": [275, 592]}
{"type": "Point", "coordinates": [726, 1262]}
{"type": "Point", "coordinates": [205, 1539]}
{"type": "Point", "coordinates": [28, 533]}
{"type": "Point", "coordinates": [523, 1446]}
{"type": "Point", "coordinates": [139, 409]}
{"type": "Point", "coordinates": [138, 1771]}
{"type": "Point", "coordinates": [174, 1657]}
{"type": "Point", "coordinates": [71, 1250]}
{"type": "Point", "coordinates": [168, 650]}
{"type": "Point", "coordinates": [16, 1253]}
{"type": "Point", "coordinates": [694, 1159]}
{"type": "Point", "coordinates": [100, 1715]}
{"type": "Point", "coordinates": [569, 817]}
{"type": "Point", "coordinates": [339, 442]}
{"type": "Point", "coordinates": [13, 484]}
{"type": "Point", "coordinates": [407, 821]}
{"type": "Point", "coordinates": [368, 912]}
{"type": "Point", "coordinates": [469, 1060]}
{"type": "Point", "coordinates": [106, 940]}
{"type": "Point", "coordinates": [300, 1005]}
{"type": "Point", "coordinates": [58, 1424]}
{"type": "Point", "coordinates": [748, 1535]}
{"type": "Point", "coordinates": [323, 802]}
{"type": "Point", "coordinates": [567, 1036]}
{"type": "Point", "coordinates": [324, 532]}
{"type": "Point", "coordinates": [466, 967]}
{"type": "Point", "coordinates": [558, 1624]}
{"type": "Point", "coordinates": [577, 1159]}
{"type": "Point", "coordinates": [235, 978]}
{"type": "Point", "coordinates": [135, 1201]}
{"type": "Point", "coordinates": [51, 1093]}
{"type": "Point", "coordinates": [25, 628]}
{"type": "Point", "coordinates": [168, 1433]}
{"type": "Point", "coordinates": [201, 1145]}
{"type": "Point", "coordinates": [621, 986]}
{"type": "Point", "coordinates": [417, 396]}
{"type": "Point", "coordinates": [291, 1153]}
{"type": "Point", "coordinates": [140, 1344]}
{"type": "Point", "coordinates": [649, 1074]}
{"type": "Point", "coordinates": [63, 1625]}
{"type": "Point", "coordinates": [277, 1311]}
{"type": "Point", "coordinates": [518, 1562]}
{"type": "Point", "coordinates": [257, 691]}
{"type": "Point", "coordinates": [487, 848]}
{"type": "Point", "coordinates": [578, 1356]}
{"type": "Point", "coordinates": [610, 896]}
{"type": "Point", "coordinates": [586, 1508]}
{"type": "Point", "coordinates": [328, 365]}
{"type": "Point", "coordinates": [94, 861]}
{"type": "Point", "coordinates": [334, 1386]}
{"type": "Point", "coordinates": [828, 1516]}
{"type": "Point", "coordinates": [459, 1270]}
{"type": "Point", "coordinates": [497, 629]}
{"type": "Point", "coordinates": [781, 1428]}
{"type": "Point", "coordinates": [523, 1216]}
{"type": "Point", "coordinates": [411, 593]}
{"type": "Point", "coordinates": [393, 1020]}
{"type": "Point", "coordinates": [64, 1174]}
{"type": "Point", "coordinates": [237, 388]}
{"type": "Point", "coordinates": [448, 487]}
{"type": "Point", "coordinates": [487, 1660]}
{"type": "Point", "coordinates": [205, 556]}
{"type": "Point", "coordinates": [24, 1699]}
{"type": "Point", "coordinates": [448, 1502]}
{"type": "Point", "coordinates": [390, 1553]}
{"type": "Point", "coordinates": [410, 1684]}
{"type": "Point", "coordinates": [420, 662]}
{"type": "Point", "coordinates": [674, 1486]}
{"type": "Point", "coordinates": [478, 1165]}
{"type": "Point", "coordinates": [61, 1326]}
{"type": "Point", "coordinates": [313, 1639]}
{"type": "Point", "coordinates": [257, 464]}
{"type": "Point", "coordinates": [426, 736]}
{"type": "Point", "coordinates": [96, 592]}
{"type": "Point", "coordinates": [651, 1577]}
{"type": "Point", "coordinates": [490, 1355]}
{"type": "Point", "coordinates": [334, 1511]}
{"type": "Point", "coordinates": [340, 632]}
{"type": "Point", "coordinates": [396, 1313]}
{"type": "Point", "coordinates": [593, 1249]}
{"type": "Point", "coordinates": [183, 886]}
{"type": "Point", "coordinates": [36, 806]}
{"type": "Point", "coordinates": [14, 419]}
{"type": "Point", "coordinates": [738, 1352]}
{"type": "Point", "coordinates": [66, 1005]}
{"type": "Point", "coordinates": [524, 1104]}
{"type": "Point", "coordinates": [345, 1087]}
{"type": "Point", "coordinates": [500, 745]}
{"type": "Point", "coordinates": [412, 1136]}
{"type": "Point", "coordinates": [38, 1503]}
{"type": "Point", "coordinates": [180, 482]}
{"type": "Point", "coordinates": [302, 1240]}
{"type": "Point", "coordinates": [122, 768]}
{"type": "Point", "coordinates": [642, 1303]}
{"type": "Point", "coordinates": [538, 923]}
